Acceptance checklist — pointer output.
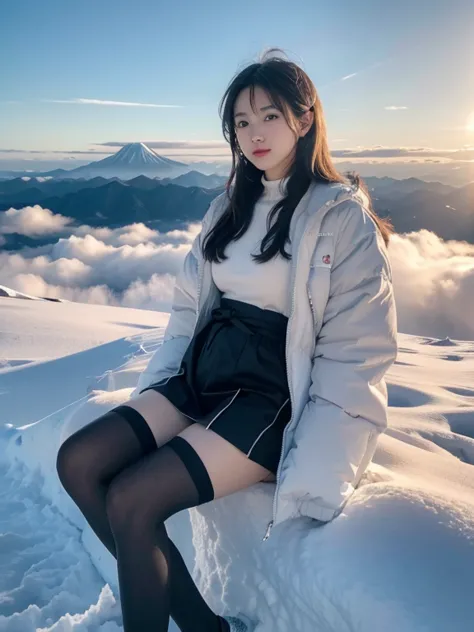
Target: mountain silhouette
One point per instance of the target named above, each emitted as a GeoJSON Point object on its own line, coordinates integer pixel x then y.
{"type": "Point", "coordinates": [164, 204]}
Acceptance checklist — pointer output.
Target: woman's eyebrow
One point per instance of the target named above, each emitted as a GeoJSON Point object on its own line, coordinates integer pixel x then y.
{"type": "Point", "coordinates": [265, 107]}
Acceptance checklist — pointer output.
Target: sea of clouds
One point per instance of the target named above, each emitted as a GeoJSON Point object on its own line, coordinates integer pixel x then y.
{"type": "Point", "coordinates": [135, 266]}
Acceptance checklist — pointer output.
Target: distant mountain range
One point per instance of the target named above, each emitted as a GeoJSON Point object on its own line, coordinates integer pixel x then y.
{"type": "Point", "coordinates": [168, 203]}
{"type": "Point", "coordinates": [110, 203]}
{"type": "Point", "coordinates": [131, 161]}
{"type": "Point", "coordinates": [414, 204]}
{"type": "Point", "coordinates": [136, 159]}
{"type": "Point", "coordinates": [28, 190]}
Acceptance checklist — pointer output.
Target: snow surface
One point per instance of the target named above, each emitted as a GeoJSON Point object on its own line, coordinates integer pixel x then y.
{"type": "Point", "coordinates": [7, 291]}
{"type": "Point", "coordinates": [399, 558]}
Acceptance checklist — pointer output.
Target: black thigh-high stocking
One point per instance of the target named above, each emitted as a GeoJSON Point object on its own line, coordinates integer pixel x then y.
{"type": "Point", "coordinates": [88, 462]}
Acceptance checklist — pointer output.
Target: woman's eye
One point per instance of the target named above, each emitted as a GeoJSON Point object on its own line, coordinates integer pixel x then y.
{"type": "Point", "coordinates": [238, 124]}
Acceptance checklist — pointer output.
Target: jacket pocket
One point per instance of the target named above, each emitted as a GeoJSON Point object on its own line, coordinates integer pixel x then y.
{"type": "Point", "coordinates": [319, 278]}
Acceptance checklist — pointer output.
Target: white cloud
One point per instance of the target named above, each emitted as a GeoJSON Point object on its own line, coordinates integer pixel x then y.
{"type": "Point", "coordinates": [135, 266]}
{"type": "Point", "coordinates": [115, 103]}
{"type": "Point", "coordinates": [354, 74]}
{"type": "Point", "coordinates": [434, 285]}
{"type": "Point", "coordinates": [33, 221]}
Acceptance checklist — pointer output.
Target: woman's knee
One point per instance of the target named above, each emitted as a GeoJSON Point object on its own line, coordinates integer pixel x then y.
{"type": "Point", "coordinates": [99, 449]}
{"type": "Point", "coordinates": [76, 460]}
{"type": "Point", "coordinates": [125, 512]}
{"type": "Point", "coordinates": [147, 493]}
{"type": "Point", "coordinates": [68, 461]}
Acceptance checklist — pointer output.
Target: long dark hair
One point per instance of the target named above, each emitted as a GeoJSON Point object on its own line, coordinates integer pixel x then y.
{"type": "Point", "coordinates": [293, 93]}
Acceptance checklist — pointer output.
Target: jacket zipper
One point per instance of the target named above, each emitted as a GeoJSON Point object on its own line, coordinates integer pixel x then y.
{"type": "Point", "coordinates": [310, 298]}
{"type": "Point", "coordinates": [200, 271]}
{"type": "Point", "coordinates": [198, 295]}
{"type": "Point", "coordinates": [272, 521]}
{"type": "Point", "coordinates": [288, 377]}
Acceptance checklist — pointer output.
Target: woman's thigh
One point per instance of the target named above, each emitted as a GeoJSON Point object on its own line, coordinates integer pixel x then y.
{"type": "Point", "coordinates": [105, 447]}
{"type": "Point", "coordinates": [165, 421]}
{"type": "Point", "coordinates": [229, 469]}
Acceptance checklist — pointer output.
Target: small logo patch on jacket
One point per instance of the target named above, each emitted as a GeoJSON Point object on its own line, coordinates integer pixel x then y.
{"type": "Point", "coordinates": [327, 259]}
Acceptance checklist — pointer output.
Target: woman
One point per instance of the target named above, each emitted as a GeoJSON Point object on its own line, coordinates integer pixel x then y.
{"type": "Point", "coordinates": [273, 361]}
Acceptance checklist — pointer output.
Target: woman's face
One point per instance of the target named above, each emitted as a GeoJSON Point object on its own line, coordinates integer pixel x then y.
{"type": "Point", "coordinates": [265, 129]}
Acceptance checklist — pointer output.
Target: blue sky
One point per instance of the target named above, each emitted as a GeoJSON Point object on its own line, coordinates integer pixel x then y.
{"type": "Point", "coordinates": [363, 57]}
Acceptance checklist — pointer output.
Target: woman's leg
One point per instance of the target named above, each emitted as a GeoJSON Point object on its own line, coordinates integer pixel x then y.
{"type": "Point", "coordinates": [141, 498]}
{"type": "Point", "coordinates": [92, 457]}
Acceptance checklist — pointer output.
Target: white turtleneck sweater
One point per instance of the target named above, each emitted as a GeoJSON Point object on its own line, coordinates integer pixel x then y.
{"type": "Point", "coordinates": [241, 278]}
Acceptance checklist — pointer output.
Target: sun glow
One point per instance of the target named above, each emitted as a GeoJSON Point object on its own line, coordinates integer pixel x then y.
{"type": "Point", "coordinates": [470, 122]}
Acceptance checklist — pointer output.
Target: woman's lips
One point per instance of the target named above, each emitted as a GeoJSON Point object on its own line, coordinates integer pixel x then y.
{"type": "Point", "coordinates": [261, 152]}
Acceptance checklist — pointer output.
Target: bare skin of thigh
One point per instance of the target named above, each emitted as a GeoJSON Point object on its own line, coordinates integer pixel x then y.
{"type": "Point", "coordinates": [229, 469]}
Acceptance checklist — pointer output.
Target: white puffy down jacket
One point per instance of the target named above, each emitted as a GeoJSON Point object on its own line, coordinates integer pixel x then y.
{"type": "Point", "coordinates": [341, 340]}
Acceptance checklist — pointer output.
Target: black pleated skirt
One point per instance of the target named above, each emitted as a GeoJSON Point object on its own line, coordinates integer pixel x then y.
{"type": "Point", "coordinates": [233, 380]}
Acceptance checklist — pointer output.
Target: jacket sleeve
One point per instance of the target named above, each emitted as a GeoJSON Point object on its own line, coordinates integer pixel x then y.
{"type": "Point", "coordinates": [166, 359]}
{"type": "Point", "coordinates": [336, 435]}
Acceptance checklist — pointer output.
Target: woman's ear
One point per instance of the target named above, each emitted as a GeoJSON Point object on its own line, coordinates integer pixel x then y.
{"type": "Point", "coordinates": [305, 122]}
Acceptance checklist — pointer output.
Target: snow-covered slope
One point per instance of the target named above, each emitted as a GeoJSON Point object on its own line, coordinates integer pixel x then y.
{"type": "Point", "coordinates": [40, 330]}
{"type": "Point", "coordinates": [8, 292]}
{"type": "Point", "coordinates": [399, 558]}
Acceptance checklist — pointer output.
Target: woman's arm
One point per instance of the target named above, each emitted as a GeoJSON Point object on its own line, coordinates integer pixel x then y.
{"type": "Point", "coordinates": [337, 433]}
{"type": "Point", "coordinates": [167, 358]}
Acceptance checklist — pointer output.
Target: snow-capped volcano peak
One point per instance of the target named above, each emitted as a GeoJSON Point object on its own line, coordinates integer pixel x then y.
{"type": "Point", "coordinates": [131, 161]}
{"type": "Point", "coordinates": [137, 154]}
